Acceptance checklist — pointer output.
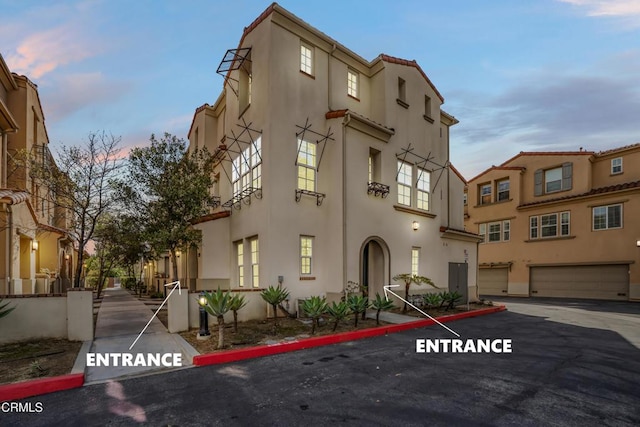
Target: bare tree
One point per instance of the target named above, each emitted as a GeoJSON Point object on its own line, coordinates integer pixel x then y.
{"type": "Point", "coordinates": [81, 185]}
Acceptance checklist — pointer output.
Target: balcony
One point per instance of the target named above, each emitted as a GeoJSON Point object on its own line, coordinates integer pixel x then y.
{"type": "Point", "coordinates": [377, 189]}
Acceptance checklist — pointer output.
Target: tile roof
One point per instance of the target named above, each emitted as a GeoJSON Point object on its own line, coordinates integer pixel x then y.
{"type": "Point", "coordinates": [13, 197]}
{"type": "Point", "coordinates": [211, 217]}
{"type": "Point", "coordinates": [444, 229]}
{"type": "Point", "coordinates": [336, 114]}
{"type": "Point", "coordinates": [592, 192]}
{"type": "Point", "coordinates": [457, 173]}
{"type": "Point", "coordinates": [548, 153]}
{"type": "Point", "coordinates": [615, 150]}
{"type": "Point", "coordinates": [492, 168]}
{"type": "Point", "coordinates": [412, 63]}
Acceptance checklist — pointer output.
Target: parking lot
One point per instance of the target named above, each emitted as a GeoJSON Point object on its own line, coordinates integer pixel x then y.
{"type": "Point", "coordinates": [573, 363]}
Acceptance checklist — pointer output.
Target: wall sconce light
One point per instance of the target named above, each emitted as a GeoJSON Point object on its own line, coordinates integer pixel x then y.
{"type": "Point", "coordinates": [415, 225]}
{"type": "Point", "coordinates": [178, 253]}
{"type": "Point", "coordinates": [638, 243]}
{"type": "Point", "coordinates": [66, 257]}
{"type": "Point", "coordinates": [34, 245]}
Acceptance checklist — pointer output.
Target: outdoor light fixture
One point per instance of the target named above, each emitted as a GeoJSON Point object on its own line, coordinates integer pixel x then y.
{"type": "Point", "coordinates": [66, 257]}
{"type": "Point", "coordinates": [178, 253]}
{"type": "Point", "coordinates": [415, 225]}
{"type": "Point", "coordinates": [34, 245]}
{"type": "Point", "coordinates": [638, 243]}
{"type": "Point", "coordinates": [204, 319]}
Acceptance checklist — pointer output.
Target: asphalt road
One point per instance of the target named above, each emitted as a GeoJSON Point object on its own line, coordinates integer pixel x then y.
{"type": "Point", "coordinates": [568, 367]}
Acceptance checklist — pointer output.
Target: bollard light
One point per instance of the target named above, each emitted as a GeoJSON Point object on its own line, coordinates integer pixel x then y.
{"type": "Point", "coordinates": [204, 319]}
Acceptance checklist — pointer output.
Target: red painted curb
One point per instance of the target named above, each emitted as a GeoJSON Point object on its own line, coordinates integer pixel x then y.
{"type": "Point", "coordinates": [42, 386]}
{"type": "Point", "coordinates": [268, 350]}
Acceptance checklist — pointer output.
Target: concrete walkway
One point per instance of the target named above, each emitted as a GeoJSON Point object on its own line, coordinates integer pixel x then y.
{"type": "Point", "coordinates": [121, 318]}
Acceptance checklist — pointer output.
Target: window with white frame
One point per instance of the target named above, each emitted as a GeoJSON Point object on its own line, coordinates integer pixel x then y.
{"type": "Point", "coordinates": [374, 165]}
{"type": "Point", "coordinates": [503, 190]}
{"type": "Point", "coordinates": [240, 263]}
{"type": "Point", "coordinates": [255, 267]}
{"type": "Point", "coordinates": [423, 187]}
{"type": "Point", "coordinates": [556, 224]}
{"type": "Point", "coordinates": [306, 255]}
{"type": "Point", "coordinates": [306, 58]}
{"type": "Point", "coordinates": [616, 165]}
{"type": "Point", "coordinates": [352, 83]}
{"type": "Point", "coordinates": [607, 217]}
{"type": "Point", "coordinates": [405, 176]}
{"type": "Point", "coordinates": [553, 180]}
{"type": "Point", "coordinates": [495, 231]}
{"type": "Point", "coordinates": [306, 165]}
{"type": "Point", "coordinates": [415, 260]}
{"type": "Point", "coordinates": [485, 193]}
{"type": "Point", "coordinates": [246, 169]}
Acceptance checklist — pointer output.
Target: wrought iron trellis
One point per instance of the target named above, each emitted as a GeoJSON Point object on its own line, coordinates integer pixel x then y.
{"type": "Point", "coordinates": [422, 163]}
{"type": "Point", "coordinates": [233, 59]}
{"type": "Point", "coordinates": [322, 141]}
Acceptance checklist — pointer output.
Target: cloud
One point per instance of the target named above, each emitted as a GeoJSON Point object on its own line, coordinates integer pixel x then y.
{"type": "Point", "coordinates": [70, 93]}
{"type": "Point", "coordinates": [626, 10]}
{"type": "Point", "coordinates": [548, 111]}
{"type": "Point", "coordinates": [42, 52]}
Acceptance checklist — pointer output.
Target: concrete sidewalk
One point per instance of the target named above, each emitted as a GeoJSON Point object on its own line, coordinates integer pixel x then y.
{"type": "Point", "coordinates": [121, 318]}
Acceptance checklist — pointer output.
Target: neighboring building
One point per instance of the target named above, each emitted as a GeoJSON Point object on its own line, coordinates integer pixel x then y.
{"type": "Point", "coordinates": [559, 224]}
{"type": "Point", "coordinates": [36, 252]}
{"type": "Point", "coordinates": [330, 168]}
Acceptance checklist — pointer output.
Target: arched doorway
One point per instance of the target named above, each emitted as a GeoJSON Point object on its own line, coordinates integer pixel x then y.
{"type": "Point", "coordinates": [375, 265]}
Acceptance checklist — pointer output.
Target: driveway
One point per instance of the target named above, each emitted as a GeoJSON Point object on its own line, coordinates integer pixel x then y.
{"type": "Point", "coordinates": [568, 367]}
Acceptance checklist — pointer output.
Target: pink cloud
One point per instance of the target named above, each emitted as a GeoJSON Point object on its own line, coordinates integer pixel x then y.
{"type": "Point", "coordinates": [620, 8]}
{"type": "Point", "coordinates": [42, 52]}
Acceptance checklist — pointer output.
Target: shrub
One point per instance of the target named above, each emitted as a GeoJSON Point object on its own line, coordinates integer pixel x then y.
{"type": "Point", "coordinates": [4, 309]}
{"type": "Point", "coordinates": [408, 279]}
{"type": "Point", "coordinates": [338, 311]}
{"type": "Point", "coordinates": [274, 296]}
{"type": "Point", "coordinates": [357, 304]}
{"type": "Point", "coordinates": [218, 304]}
{"type": "Point", "coordinates": [314, 307]}
{"type": "Point", "coordinates": [379, 304]}
{"type": "Point", "coordinates": [237, 302]}
{"type": "Point", "coordinates": [432, 300]}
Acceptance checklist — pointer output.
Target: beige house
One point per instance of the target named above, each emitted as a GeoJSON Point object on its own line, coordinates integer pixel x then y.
{"type": "Point", "coordinates": [559, 224]}
{"type": "Point", "coordinates": [330, 168]}
{"type": "Point", "coordinates": [36, 251]}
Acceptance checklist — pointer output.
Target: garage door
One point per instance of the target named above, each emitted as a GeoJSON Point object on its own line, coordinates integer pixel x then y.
{"type": "Point", "coordinates": [609, 282]}
{"type": "Point", "coordinates": [493, 281]}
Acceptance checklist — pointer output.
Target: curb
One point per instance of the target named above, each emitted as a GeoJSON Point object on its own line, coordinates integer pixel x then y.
{"type": "Point", "coordinates": [268, 350]}
{"type": "Point", "coordinates": [42, 386]}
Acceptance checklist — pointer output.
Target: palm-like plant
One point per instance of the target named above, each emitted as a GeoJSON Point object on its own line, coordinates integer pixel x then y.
{"type": "Point", "coordinates": [274, 296]}
{"type": "Point", "coordinates": [432, 300]}
{"type": "Point", "coordinates": [4, 310]}
{"type": "Point", "coordinates": [314, 307]}
{"type": "Point", "coordinates": [408, 279]}
{"type": "Point", "coordinates": [379, 304]}
{"type": "Point", "coordinates": [218, 304]}
{"type": "Point", "coordinates": [338, 311]}
{"type": "Point", "coordinates": [237, 302]}
{"type": "Point", "coordinates": [357, 304]}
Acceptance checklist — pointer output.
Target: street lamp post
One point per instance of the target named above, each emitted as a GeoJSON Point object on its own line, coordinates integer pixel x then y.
{"type": "Point", "coordinates": [204, 319]}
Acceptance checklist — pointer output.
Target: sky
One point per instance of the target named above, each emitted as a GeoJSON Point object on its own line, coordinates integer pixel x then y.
{"type": "Point", "coordinates": [519, 75]}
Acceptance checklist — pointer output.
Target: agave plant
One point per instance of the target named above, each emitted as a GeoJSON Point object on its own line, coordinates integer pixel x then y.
{"type": "Point", "coordinates": [237, 302]}
{"type": "Point", "coordinates": [314, 307]}
{"type": "Point", "coordinates": [274, 296]}
{"type": "Point", "coordinates": [4, 310]}
{"type": "Point", "coordinates": [338, 311]}
{"type": "Point", "coordinates": [218, 304]}
{"type": "Point", "coordinates": [432, 300]}
{"type": "Point", "coordinates": [452, 299]}
{"type": "Point", "coordinates": [408, 279]}
{"type": "Point", "coordinates": [357, 304]}
{"type": "Point", "coordinates": [379, 304]}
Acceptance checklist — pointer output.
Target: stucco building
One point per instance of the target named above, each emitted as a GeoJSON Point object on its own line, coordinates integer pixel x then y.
{"type": "Point", "coordinates": [559, 224]}
{"type": "Point", "coordinates": [36, 251]}
{"type": "Point", "coordinates": [329, 168]}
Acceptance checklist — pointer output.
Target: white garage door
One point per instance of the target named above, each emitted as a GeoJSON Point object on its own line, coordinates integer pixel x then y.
{"type": "Point", "coordinates": [609, 282]}
{"type": "Point", "coordinates": [493, 281]}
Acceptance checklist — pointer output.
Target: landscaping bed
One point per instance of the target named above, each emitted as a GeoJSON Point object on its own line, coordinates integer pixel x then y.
{"type": "Point", "coordinates": [37, 359]}
{"type": "Point", "coordinates": [441, 311]}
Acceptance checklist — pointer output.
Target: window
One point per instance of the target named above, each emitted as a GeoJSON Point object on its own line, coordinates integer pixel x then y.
{"type": "Point", "coordinates": [503, 190]}
{"type": "Point", "coordinates": [464, 199]}
{"type": "Point", "coordinates": [423, 189]}
{"type": "Point", "coordinates": [415, 260]}
{"type": "Point", "coordinates": [240, 263]}
{"type": "Point", "coordinates": [244, 86]}
{"type": "Point", "coordinates": [402, 90]}
{"type": "Point", "coordinates": [497, 231]}
{"type": "Point", "coordinates": [255, 268]}
{"type": "Point", "coordinates": [616, 165]}
{"type": "Point", "coordinates": [555, 224]}
{"type": "Point", "coordinates": [352, 83]}
{"type": "Point", "coordinates": [404, 183]}
{"type": "Point", "coordinates": [485, 194]}
{"type": "Point", "coordinates": [606, 217]}
{"type": "Point", "coordinates": [427, 109]}
{"type": "Point", "coordinates": [306, 165]}
{"type": "Point", "coordinates": [306, 58]}
{"type": "Point", "coordinates": [306, 253]}
{"type": "Point", "coordinates": [553, 180]}
{"type": "Point", "coordinates": [374, 165]}
{"type": "Point", "coordinates": [246, 169]}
